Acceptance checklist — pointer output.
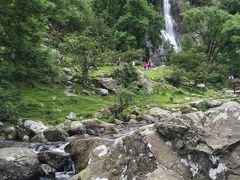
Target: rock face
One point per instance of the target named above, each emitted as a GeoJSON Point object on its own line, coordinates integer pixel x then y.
{"type": "Point", "coordinates": [209, 141]}
{"type": "Point", "coordinates": [18, 163]}
{"type": "Point", "coordinates": [109, 84]}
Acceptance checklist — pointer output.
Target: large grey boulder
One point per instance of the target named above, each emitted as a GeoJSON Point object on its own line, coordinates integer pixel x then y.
{"type": "Point", "coordinates": [34, 127]}
{"type": "Point", "coordinates": [109, 84]}
{"type": "Point", "coordinates": [139, 155]}
{"type": "Point", "coordinates": [208, 142]}
{"type": "Point", "coordinates": [18, 163]}
{"type": "Point", "coordinates": [161, 114]}
{"type": "Point", "coordinates": [103, 92]}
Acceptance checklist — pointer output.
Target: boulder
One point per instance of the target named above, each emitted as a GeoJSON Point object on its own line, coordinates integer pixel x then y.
{"type": "Point", "coordinates": [109, 84]}
{"type": "Point", "coordinates": [160, 114]}
{"type": "Point", "coordinates": [80, 150]}
{"type": "Point", "coordinates": [77, 128]}
{"type": "Point", "coordinates": [39, 138]}
{"type": "Point", "coordinates": [34, 127]}
{"type": "Point", "coordinates": [10, 133]}
{"type": "Point", "coordinates": [99, 126]}
{"type": "Point", "coordinates": [138, 155]}
{"type": "Point", "coordinates": [103, 92]}
{"type": "Point", "coordinates": [18, 163]}
{"type": "Point", "coordinates": [146, 83]}
{"type": "Point", "coordinates": [198, 104]}
{"type": "Point", "coordinates": [213, 103]}
{"type": "Point", "coordinates": [55, 134]}
{"type": "Point", "coordinates": [56, 160]}
{"type": "Point", "coordinates": [47, 170]}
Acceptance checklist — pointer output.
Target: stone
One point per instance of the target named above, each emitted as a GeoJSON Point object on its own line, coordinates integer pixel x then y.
{"type": "Point", "coordinates": [117, 122]}
{"type": "Point", "coordinates": [213, 103]}
{"type": "Point", "coordinates": [160, 114]}
{"type": "Point", "coordinates": [198, 104]}
{"type": "Point", "coordinates": [18, 163]}
{"type": "Point", "coordinates": [149, 119]}
{"type": "Point", "coordinates": [25, 138]}
{"type": "Point", "coordinates": [96, 125]}
{"type": "Point", "coordinates": [34, 127]}
{"type": "Point", "coordinates": [103, 92]}
{"type": "Point", "coordinates": [80, 150]}
{"type": "Point", "coordinates": [109, 84]}
{"type": "Point", "coordinates": [47, 170]}
{"type": "Point", "coordinates": [39, 138]}
{"type": "Point", "coordinates": [134, 156]}
{"type": "Point", "coordinates": [132, 122]}
{"type": "Point", "coordinates": [201, 86]}
{"type": "Point", "coordinates": [146, 83]}
{"type": "Point", "coordinates": [1, 124]}
{"type": "Point", "coordinates": [56, 160]}
{"type": "Point", "coordinates": [55, 135]}
{"type": "Point", "coordinates": [67, 70]}
{"type": "Point", "coordinates": [10, 133]}
{"type": "Point", "coordinates": [98, 115]}
{"type": "Point", "coordinates": [186, 109]}
{"type": "Point", "coordinates": [77, 128]}
{"type": "Point", "coordinates": [71, 116]}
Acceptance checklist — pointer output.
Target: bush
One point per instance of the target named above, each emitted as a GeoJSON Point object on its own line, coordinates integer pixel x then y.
{"type": "Point", "coordinates": [126, 75]}
{"type": "Point", "coordinates": [175, 78]}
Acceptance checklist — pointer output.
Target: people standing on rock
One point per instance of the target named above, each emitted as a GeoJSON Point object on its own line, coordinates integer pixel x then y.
{"type": "Point", "coordinates": [118, 61]}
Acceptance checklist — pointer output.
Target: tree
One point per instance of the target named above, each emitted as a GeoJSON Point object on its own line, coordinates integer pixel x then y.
{"type": "Point", "coordinates": [232, 6]}
{"type": "Point", "coordinates": [84, 51]}
{"type": "Point", "coordinates": [206, 25]}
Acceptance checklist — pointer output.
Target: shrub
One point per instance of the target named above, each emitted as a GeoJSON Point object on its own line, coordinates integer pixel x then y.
{"type": "Point", "coordinates": [126, 75]}
{"type": "Point", "coordinates": [175, 78]}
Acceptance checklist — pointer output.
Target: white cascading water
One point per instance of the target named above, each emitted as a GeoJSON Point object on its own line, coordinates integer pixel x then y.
{"type": "Point", "coordinates": [169, 33]}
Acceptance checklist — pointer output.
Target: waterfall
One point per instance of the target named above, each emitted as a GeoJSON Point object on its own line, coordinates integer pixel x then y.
{"type": "Point", "coordinates": [169, 33]}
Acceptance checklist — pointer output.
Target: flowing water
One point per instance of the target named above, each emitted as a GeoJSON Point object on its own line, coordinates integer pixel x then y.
{"type": "Point", "coordinates": [169, 33]}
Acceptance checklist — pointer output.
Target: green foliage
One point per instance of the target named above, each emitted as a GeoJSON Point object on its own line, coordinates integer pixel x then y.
{"type": "Point", "coordinates": [126, 75]}
{"type": "Point", "coordinates": [125, 97]}
{"type": "Point", "coordinates": [206, 25]}
{"type": "Point", "coordinates": [175, 77]}
{"type": "Point", "coordinates": [232, 6]}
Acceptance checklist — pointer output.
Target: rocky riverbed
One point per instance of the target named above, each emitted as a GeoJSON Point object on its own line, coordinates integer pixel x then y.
{"type": "Point", "coordinates": [160, 145]}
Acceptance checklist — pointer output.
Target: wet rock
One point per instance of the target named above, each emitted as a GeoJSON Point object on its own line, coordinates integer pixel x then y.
{"type": "Point", "coordinates": [80, 150]}
{"type": "Point", "coordinates": [132, 122]}
{"type": "Point", "coordinates": [55, 135]}
{"type": "Point", "coordinates": [18, 163]}
{"type": "Point", "coordinates": [47, 170]}
{"type": "Point", "coordinates": [56, 160]}
{"type": "Point", "coordinates": [109, 84]}
{"type": "Point", "coordinates": [34, 127]}
{"type": "Point", "coordinates": [77, 128]}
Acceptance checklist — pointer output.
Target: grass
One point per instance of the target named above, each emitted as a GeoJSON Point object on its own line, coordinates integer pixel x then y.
{"type": "Point", "coordinates": [51, 105]}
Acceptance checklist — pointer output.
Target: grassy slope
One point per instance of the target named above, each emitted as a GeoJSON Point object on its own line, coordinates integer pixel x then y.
{"type": "Point", "coordinates": [50, 104]}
